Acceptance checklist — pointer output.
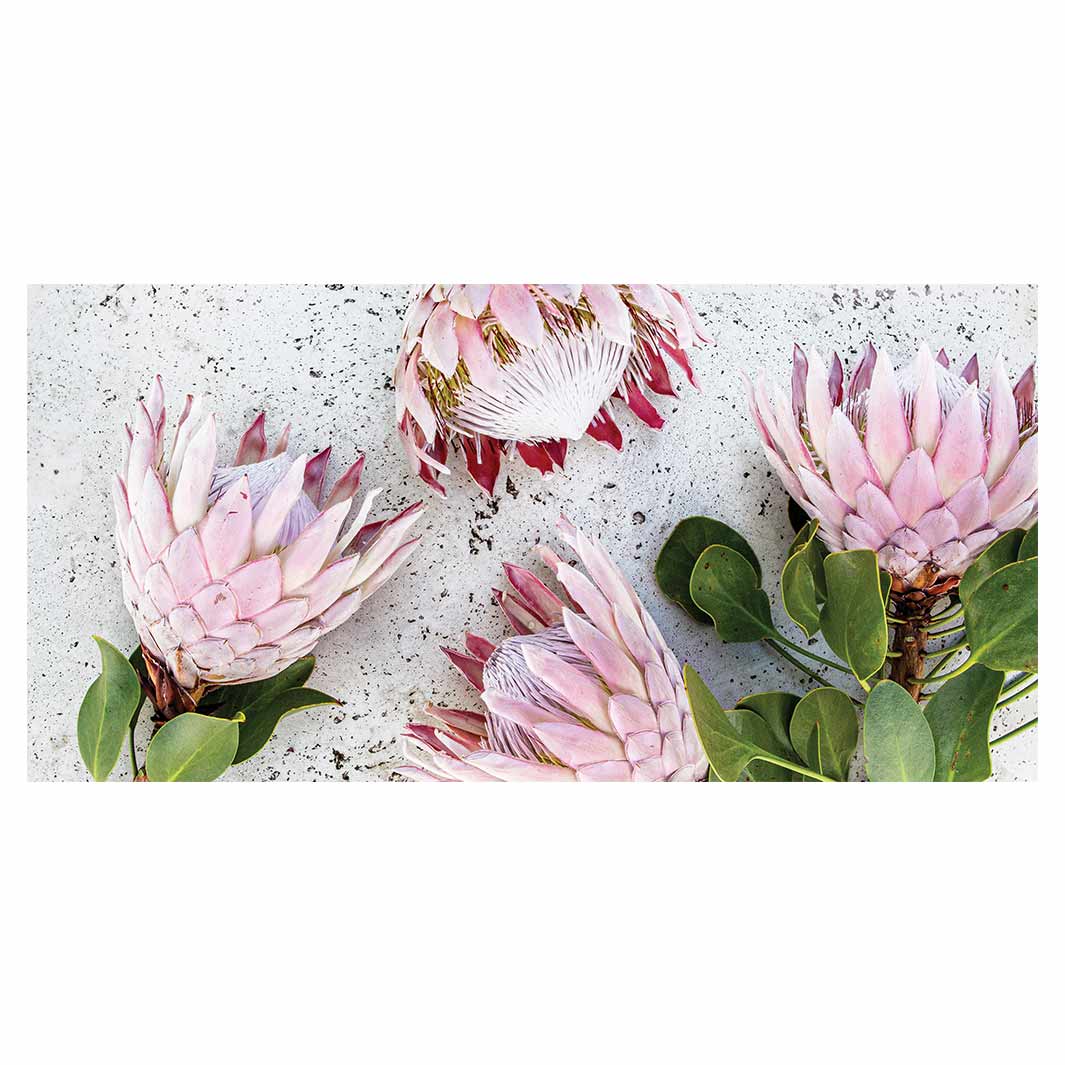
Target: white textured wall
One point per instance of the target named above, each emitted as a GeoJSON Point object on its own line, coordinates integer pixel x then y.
{"type": "Point", "coordinates": [321, 356]}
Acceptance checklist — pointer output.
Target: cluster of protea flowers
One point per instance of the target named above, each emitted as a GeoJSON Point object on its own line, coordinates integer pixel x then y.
{"type": "Point", "coordinates": [587, 691]}
{"type": "Point", "coordinates": [231, 573]}
{"type": "Point", "coordinates": [505, 369]}
{"type": "Point", "coordinates": [926, 467]}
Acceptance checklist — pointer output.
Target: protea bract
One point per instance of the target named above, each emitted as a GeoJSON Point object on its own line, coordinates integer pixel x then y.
{"type": "Point", "coordinates": [231, 573]}
{"type": "Point", "coordinates": [586, 690]}
{"type": "Point", "coordinates": [924, 466]}
{"type": "Point", "coordinates": [499, 369]}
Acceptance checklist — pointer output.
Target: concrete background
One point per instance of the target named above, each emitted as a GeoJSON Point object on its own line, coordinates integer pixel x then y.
{"type": "Point", "coordinates": [322, 356]}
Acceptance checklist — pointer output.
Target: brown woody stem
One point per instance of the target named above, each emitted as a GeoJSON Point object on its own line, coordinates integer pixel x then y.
{"type": "Point", "coordinates": [910, 639]}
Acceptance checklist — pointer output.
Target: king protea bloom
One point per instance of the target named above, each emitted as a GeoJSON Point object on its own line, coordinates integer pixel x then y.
{"type": "Point", "coordinates": [925, 466]}
{"type": "Point", "coordinates": [500, 369]}
{"type": "Point", "coordinates": [231, 573]}
{"type": "Point", "coordinates": [586, 690]}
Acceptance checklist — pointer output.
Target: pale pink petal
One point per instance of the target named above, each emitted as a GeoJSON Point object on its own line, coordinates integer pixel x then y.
{"type": "Point", "coordinates": [226, 532]}
{"type": "Point", "coordinates": [610, 310]}
{"type": "Point", "coordinates": [484, 373]}
{"type": "Point", "coordinates": [914, 489]}
{"type": "Point", "coordinates": [282, 499]}
{"type": "Point", "coordinates": [306, 555]}
{"type": "Point", "coordinates": [440, 346]}
{"type": "Point", "coordinates": [848, 464]}
{"type": "Point", "coordinates": [1003, 424]}
{"type": "Point", "coordinates": [1017, 483]}
{"type": "Point", "coordinates": [887, 435]}
{"type": "Point", "coordinates": [194, 481]}
{"type": "Point", "coordinates": [618, 671]}
{"type": "Point", "coordinates": [937, 527]}
{"type": "Point", "coordinates": [518, 314]}
{"type": "Point", "coordinates": [819, 404]}
{"type": "Point", "coordinates": [969, 505]}
{"type": "Point", "coordinates": [577, 745]}
{"type": "Point", "coordinates": [875, 508]}
{"type": "Point", "coordinates": [927, 405]}
{"type": "Point", "coordinates": [961, 452]}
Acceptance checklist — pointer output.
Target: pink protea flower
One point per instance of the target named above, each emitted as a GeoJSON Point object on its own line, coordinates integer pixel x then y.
{"type": "Point", "coordinates": [587, 691]}
{"type": "Point", "coordinates": [925, 467]}
{"type": "Point", "coordinates": [231, 573]}
{"type": "Point", "coordinates": [527, 368]}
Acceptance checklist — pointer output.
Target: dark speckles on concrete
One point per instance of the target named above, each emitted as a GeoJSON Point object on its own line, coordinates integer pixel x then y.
{"type": "Point", "coordinates": [321, 356]}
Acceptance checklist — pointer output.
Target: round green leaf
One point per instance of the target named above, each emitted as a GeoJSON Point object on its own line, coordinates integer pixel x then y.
{"type": "Point", "coordinates": [959, 715]}
{"type": "Point", "coordinates": [1000, 553]}
{"type": "Point", "coordinates": [193, 747]}
{"type": "Point", "coordinates": [775, 709]}
{"type": "Point", "coordinates": [750, 726]}
{"type": "Point", "coordinates": [824, 731]}
{"type": "Point", "coordinates": [262, 716]}
{"type": "Point", "coordinates": [854, 620]}
{"type": "Point", "coordinates": [725, 585]}
{"type": "Point", "coordinates": [898, 742]}
{"type": "Point", "coordinates": [228, 699]}
{"type": "Point", "coordinates": [802, 580]}
{"type": "Point", "coordinates": [727, 752]}
{"type": "Point", "coordinates": [686, 543]}
{"type": "Point", "coordinates": [1002, 618]}
{"type": "Point", "coordinates": [107, 710]}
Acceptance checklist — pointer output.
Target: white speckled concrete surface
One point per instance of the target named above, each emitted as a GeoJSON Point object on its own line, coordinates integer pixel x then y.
{"type": "Point", "coordinates": [322, 356]}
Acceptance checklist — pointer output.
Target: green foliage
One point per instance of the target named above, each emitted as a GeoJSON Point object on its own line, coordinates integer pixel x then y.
{"type": "Point", "coordinates": [193, 747]}
{"type": "Point", "coordinates": [824, 731]}
{"type": "Point", "coordinates": [854, 619]}
{"type": "Point", "coordinates": [229, 699]}
{"type": "Point", "coordinates": [727, 752]}
{"type": "Point", "coordinates": [959, 715]}
{"type": "Point", "coordinates": [1002, 618]}
{"type": "Point", "coordinates": [996, 555]}
{"type": "Point", "coordinates": [898, 742]}
{"type": "Point", "coordinates": [725, 586]}
{"type": "Point", "coordinates": [107, 710]}
{"type": "Point", "coordinates": [775, 709]}
{"type": "Point", "coordinates": [686, 543]}
{"type": "Point", "coordinates": [749, 726]}
{"type": "Point", "coordinates": [1030, 544]}
{"type": "Point", "coordinates": [802, 580]}
{"type": "Point", "coordinates": [265, 712]}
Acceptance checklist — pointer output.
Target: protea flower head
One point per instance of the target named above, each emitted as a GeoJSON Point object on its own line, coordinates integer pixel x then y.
{"type": "Point", "coordinates": [231, 573]}
{"type": "Point", "coordinates": [528, 368]}
{"type": "Point", "coordinates": [586, 690]}
{"type": "Point", "coordinates": [925, 466]}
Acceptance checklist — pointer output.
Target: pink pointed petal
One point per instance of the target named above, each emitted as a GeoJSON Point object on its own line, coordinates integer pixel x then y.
{"type": "Point", "coordinates": [848, 464]}
{"type": "Point", "coordinates": [649, 297]}
{"type": "Point", "coordinates": [643, 408]}
{"type": "Point", "coordinates": [471, 668]}
{"type": "Point", "coordinates": [887, 435]}
{"type": "Point", "coordinates": [252, 446]}
{"type": "Point", "coordinates": [961, 452]}
{"type": "Point", "coordinates": [576, 746]}
{"type": "Point", "coordinates": [818, 402]}
{"type": "Point", "coordinates": [1024, 395]}
{"type": "Point", "coordinates": [306, 555]}
{"type": "Point", "coordinates": [538, 597]}
{"type": "Point", "coordinates": [477, 296]}
{"type": "Point", "coordinates": [941, 358]}
{"type": "Point", "coordinates": [835, 381]}
{"type": "Point", "coordinates": [314, 476]}
{"type": "Point", "coordinates": [605, 772]}
{"type": "Point", "coordinates": [417, 315]}
{"type": "Point", "coordinates": [282, 499]}
{"type": "Point", "coordinates": [389, 567]}
{"type": "Point", "coordinates": [226, 532]}
{"type": "Point", "coordinates": [969, 505]}
{"type": "Point", "coordinates": [605, 430]}
{"type": "Point", "coordinates": [194, 481]}
{"type": "Point", "coordinates": [504, 767]}
{"type": "Point", "coordinates": [153, 517]}
{"type": "Point", "coordinates": [479, 647]}
{"type": "Point", "coordinates": [519, 711]}
{"type": "Point", "coordinates": [440, 346]}
{"type": "Point", "coordinates": [521, 621]}
{"type": "Point", "coordinates": [257, 585]}
{"type": "Point", "coordinates": [1004, 425]}
{"type": "Point", "coordinates": [216, 604]}
{"type": "Point", "coordinates": [386, 542]}
{"type": "Point", "coordinates": [860, 534]}
{"type": "Point", "coordinates": [971, 373]}
{"type": "Point", "coordinates": [482, 460]}
{"type": "Point", "coordinates": [618, 671]}
{"type": "Point", "coordinates": [141, 453]}
{"type": "Point", "coordinates": [937, 527]}
{"type": "Point", "coordinates": [610, 311]}
{"type": "Point", "coordinates": [186, 566]}
{"type": "Point", "coordinates": [788, 438]}
{"type": "Point", "coordinates": [629, 715]}
{"type": "Point", "coordinates": [323, 590]}
{"type": "Point", "coordinates": [927, 406]}
{"type": "Point", "coordinates": [875, 508]}
{"type": "Point", "coordinates": [282, 441]}
{"type": "Point", "coordinates": [518, 314]}
{"type": "Point", "coordinates": [579, 692]}
{"type": "Point", "coordinates": [281, 618]}
{"type": "Point", "coordinates": [484, 373]}
{"type": "Point", "coordinates": [682, 325]}
{"type": "Point", "coordinates": [466, 720]}
{"type": "Point", "coordinates": [1018, 482]}
{"type": "Point", "coordinates": [914, 490]}
{"type": "Point", "coordinates": [347, 485]}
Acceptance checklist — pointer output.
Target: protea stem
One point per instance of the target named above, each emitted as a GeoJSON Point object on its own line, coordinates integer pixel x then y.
{"type": "Point", "coordinates": [910, 640]}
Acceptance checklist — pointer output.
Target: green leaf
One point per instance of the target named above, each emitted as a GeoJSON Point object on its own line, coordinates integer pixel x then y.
{"type": "Point", "coordinates": [725, 585]}
{"type": "Point", "coordinates": [824, 731]}
{"type": "Point", "coordinates": [996, 555]}
{"type": "Point", "coordinates": [107, 710]}
{"type": "Point", "coordinates": [1030, 544]}
{"type": "Point", "coordinates": [1002, 618]}
{"type": "Point", "coordinates": [854, 621]}
{"type": "Point", "coordinates": [233, 698]}
{"type": "Point", "coordinates": [885, 588]}
{"type": "Point", "coordinates": [193, 747]}
{"type": "Point", "coordinates": [727, 751]}
{"type": "Point", "coordinates": [802, 580]}
{"type": "Point", "coordinates": [898, 742]}
{"type": "Point", "coordinates": [264, 714]}
{"type": "Point", "coordinates": [775, 709]}
{"type": "Point", "coordinates": [750, 726]}
{"type": "Point", "coordinates": [959, 715]}
{"type": "Point", "coordinates": [686, 543]}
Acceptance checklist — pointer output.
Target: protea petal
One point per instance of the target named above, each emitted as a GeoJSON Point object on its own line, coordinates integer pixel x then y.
{"type": "Point", "coordinates": [522, 369]}
{"type": "Point", "coordinates": [570, 701]}
{"type": "Point", "coordinates": [213, 599]}
{"type": "Point", "coordinates": [921, 466]}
